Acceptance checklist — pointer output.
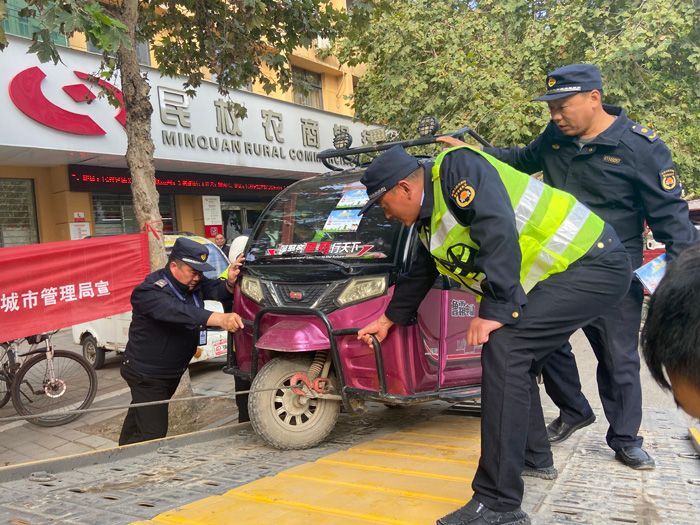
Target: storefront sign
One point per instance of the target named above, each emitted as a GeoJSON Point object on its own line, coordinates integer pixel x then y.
{"type": "Point", "coordinates": [55, 108]}
{"type": "Point", "coordinates": [54, 285]}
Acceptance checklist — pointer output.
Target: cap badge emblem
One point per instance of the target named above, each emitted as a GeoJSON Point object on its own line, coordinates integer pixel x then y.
{"type": "Point", "coordinates": [551, 81]}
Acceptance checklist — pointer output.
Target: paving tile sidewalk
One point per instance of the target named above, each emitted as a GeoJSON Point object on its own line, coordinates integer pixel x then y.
{"type": "Point", "coordinates": [23, 442]}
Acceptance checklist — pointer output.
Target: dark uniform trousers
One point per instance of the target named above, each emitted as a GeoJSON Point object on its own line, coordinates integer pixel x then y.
{"type": "Point", "coordinates": [615, 340]}
{"type": "Point", "coordinates": [240, 385]}
{"type": "Point", "coordinates": [151, 422]}
{"type": "Point", "coordinates": [513, 432]}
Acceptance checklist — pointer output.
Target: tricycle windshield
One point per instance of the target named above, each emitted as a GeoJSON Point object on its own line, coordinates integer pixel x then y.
{"type": "Point", "coordinates": [319, 217]}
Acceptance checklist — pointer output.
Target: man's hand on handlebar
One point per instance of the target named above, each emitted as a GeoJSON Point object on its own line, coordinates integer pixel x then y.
{"type": "Point", "coordinates": [378, 328]}
{"type": "Point", "coordinates": [233, 270]}
{"type": "Point", "coordinates": [231, 322]}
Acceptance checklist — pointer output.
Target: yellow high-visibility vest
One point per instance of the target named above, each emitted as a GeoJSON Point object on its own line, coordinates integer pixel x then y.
{"type": "Point", "coordinates": [554, 228]}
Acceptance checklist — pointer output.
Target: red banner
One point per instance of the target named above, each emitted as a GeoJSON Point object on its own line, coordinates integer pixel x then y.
{"type": "Point", "coordinates": [54, 285]}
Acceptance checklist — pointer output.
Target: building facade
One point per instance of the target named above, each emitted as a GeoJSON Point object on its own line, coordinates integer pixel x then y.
{"type": "Point", "coordinates": [63, 173]}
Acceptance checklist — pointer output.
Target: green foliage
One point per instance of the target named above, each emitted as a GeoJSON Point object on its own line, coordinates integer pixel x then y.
{"type": "Point", "coordinates": [68, 16]}
{"type": "Point", "coordinates": [480, 63]}
{"type": "Point", "coordinates": [239, 41]}
{"type": "Point", "coordinates": [3, 16]}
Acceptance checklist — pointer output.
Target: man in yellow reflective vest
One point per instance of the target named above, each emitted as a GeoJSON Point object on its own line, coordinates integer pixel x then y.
{"type": "Point", "coordinates": [545, 266]}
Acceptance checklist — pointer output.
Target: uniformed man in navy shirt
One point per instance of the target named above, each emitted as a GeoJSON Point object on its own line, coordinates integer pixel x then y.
{"type": "Point", "coordinates": [623, 172]}
{"type": "Point", "coordinates": [167, 324]}
{"type": "Point", "coordinates": [461, 206]}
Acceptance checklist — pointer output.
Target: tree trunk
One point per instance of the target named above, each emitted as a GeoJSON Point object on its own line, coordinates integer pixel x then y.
{"type": "Point", "coordinates": [140, 148]}
{"type": "Point", "coordinates": [182, 415]}
{"type": "Point", "coordinates": [139, 159]}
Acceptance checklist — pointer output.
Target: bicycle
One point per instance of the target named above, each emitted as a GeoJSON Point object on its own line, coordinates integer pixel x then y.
{"type": "Point", "coordinates": [49, 384]}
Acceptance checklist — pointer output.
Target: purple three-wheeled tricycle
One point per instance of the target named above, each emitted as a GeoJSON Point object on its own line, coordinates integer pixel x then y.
{"type": "Point", "coordinates": [315, 272]}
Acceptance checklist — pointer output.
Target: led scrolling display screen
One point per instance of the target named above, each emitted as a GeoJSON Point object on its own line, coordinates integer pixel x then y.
{"type": "Point", "coordinates": [93, 178]}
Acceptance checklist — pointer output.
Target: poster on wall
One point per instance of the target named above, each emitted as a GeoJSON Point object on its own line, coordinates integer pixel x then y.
{"type": "Point", "coordinates": [79, 230]}
{"type": "Point", "coordinates": [211, 208]}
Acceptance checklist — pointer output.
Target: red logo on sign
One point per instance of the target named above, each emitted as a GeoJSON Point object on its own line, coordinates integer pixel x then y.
{"type": "Point", "coordinates": [25, 92]}
{"type": "Point", "coordinates": [295, 296]}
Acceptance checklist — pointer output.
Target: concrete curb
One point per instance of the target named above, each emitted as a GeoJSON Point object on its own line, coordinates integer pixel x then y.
{"type": "Point", "coordinates": [65, 463]}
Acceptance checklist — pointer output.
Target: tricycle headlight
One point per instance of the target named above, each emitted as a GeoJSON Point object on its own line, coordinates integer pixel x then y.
{"type": "Point", "coordinates": [251, 287]}
{"type": "Point", "coordinates": [361, 289]}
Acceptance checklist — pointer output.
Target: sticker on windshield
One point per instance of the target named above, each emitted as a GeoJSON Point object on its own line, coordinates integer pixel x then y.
{"type": "Point", "coordinates": [343, 221]}
{"type": "Point", "coordinates": [353, 199]}
{"type": "Point", "coordinates": [330, 249]}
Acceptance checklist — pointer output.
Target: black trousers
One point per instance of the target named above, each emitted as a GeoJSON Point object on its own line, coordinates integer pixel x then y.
{"type": "Point", "coordinates": [615, 340]}
{"type": "Point", "coordinates": [240, 385]}
{"type": "Point", "coordinates": [513, 432]}
{"type": "Point", "coordinates": [146, 423]}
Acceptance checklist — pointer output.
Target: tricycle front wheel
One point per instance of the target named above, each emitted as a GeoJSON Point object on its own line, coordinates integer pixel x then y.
{"type": "Point", "coordinates": [286, 420]}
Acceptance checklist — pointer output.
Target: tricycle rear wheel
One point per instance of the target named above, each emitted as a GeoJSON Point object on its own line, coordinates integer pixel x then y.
{"type": "Point", "coordinates": [286, 420]}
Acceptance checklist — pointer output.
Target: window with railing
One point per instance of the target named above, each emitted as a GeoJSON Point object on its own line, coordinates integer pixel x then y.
{"type": "Point", "coordinates": [114, 213]}
{"type": "Point", "coordinates": [307, 88]}
{"type": "Point", "coordinates": [143, 52]}
{"type": "Point", "coordinates": [25, 27]}
{"type": "Point", "coordinates": [18, 225]}
{"type": "Point", "coordinates": [248, 86]}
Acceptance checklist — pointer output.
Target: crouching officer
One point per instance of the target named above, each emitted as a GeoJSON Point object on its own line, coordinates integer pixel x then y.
{"type": "Point", "coordinates": [167, 324]}
{"type": "Point", "coordinates": [546, 266]}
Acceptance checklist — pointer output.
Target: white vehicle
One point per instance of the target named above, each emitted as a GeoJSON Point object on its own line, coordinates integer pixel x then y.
{"type": "Point", "coordinates": [111, 333]}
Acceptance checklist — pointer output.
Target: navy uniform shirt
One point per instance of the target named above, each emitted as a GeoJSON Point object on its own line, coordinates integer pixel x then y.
{"type": "Point", "coordinates": [491, 219]}
{"type": "Point", "coordinates": [625, 175]}
{"type": "Point", "coordinates": [164, 331]}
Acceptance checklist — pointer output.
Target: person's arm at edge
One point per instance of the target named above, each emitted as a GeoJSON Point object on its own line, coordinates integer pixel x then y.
{"type": "Point", "coordinates": [503, 297]}
{"type": "Point", "coordinates": [666, 212]}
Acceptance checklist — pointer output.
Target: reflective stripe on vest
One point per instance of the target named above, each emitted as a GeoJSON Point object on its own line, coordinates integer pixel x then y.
{"type": "Point", "coordinates": [554, 229]}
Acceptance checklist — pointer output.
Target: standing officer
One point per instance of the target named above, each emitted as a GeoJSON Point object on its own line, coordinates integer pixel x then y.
{"type": "Point", "coordinates": [546, 266]}
{"type": "Point", "coordinates": [167, 324]}
{"type": "Point", "coordinates": [623, 172]}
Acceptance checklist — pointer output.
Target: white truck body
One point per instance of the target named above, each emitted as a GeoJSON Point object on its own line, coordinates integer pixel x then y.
{"type": "Point", "coordinates": [112, 333]}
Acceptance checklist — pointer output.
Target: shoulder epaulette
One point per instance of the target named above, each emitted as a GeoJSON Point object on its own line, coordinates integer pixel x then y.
{"type": "Point", "coordinates": [650, 134]}
{"type": "Point", "coordinates": [162, 283]}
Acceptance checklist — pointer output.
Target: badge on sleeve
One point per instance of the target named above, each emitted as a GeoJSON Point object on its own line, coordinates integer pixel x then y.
{"type": "Point", "coordinates": [668, 179]}
{"type": "Point", "coordinates": [462, 194]}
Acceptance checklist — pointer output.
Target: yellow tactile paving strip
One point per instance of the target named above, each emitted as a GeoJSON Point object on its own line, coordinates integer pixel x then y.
{"type": "Point", "coordinates": [694, 436]}
{"type": "Point", "coordinates": [410, 477]}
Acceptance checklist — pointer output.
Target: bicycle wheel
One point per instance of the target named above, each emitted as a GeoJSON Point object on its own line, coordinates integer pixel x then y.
{"type": "Point", "coordinates": [7, 361]}
{"type": "Point", "coordinates": [75, 388]}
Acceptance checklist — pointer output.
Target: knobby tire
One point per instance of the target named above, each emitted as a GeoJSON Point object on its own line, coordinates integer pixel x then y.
{"type": "Point", "coordinates": [75, 389]}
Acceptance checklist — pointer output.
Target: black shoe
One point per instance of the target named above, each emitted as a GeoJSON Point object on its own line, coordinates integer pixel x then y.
{"type": "Point", "coordinates": [558, 431]}
{"type": "Point", "coordinates": [542, 473]}
{"type": "Point", "coordinates": [476, 513]}
{"type": "Point", "coordinates": [635, 457]}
